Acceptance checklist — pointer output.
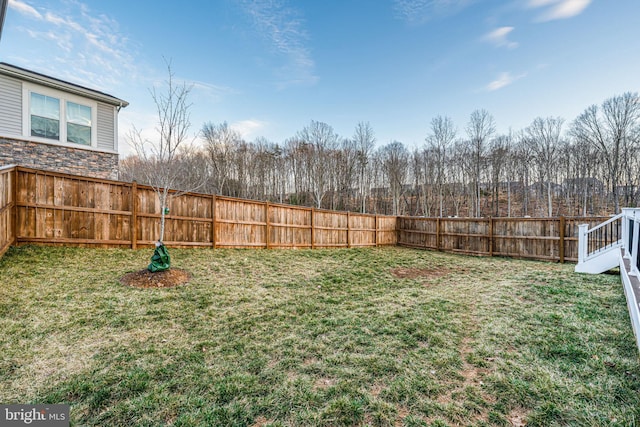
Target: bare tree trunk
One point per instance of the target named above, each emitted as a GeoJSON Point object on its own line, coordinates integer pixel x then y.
{"type": "Point", "coordinates": [606, 129]}
{"type": "Point", "coordinates": [480, 128]}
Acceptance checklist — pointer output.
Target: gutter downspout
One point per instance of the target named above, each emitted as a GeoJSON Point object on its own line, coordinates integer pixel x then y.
{"type": "Point", "coordinates": [3, 12]}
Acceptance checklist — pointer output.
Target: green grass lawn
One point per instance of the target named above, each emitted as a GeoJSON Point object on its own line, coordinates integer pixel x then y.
{"type": "Point", "coordinates": [385, 336]}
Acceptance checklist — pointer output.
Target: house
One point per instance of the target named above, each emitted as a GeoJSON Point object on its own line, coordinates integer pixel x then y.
{"type": "Point", "coordinates": [51, 124]}
{"type": "Point", "coordinates": [593, 185]}
{"type": "Point", "coordinates": [626, 190]}
{"type": "Point", "coordinates": [540, 188]}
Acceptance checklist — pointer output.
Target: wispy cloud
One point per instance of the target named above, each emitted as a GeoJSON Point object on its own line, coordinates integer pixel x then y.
{"type": "Point", "coordinates": [206, 93]}
{"type": "Point", "coordinates": [82, 46]}
{"type": "Point", "coordinates": [24, 9]}
{"type": "Point", "coordinates": [499, 37]}
{"type": "Point", "coordinates": [284, 29]}
{"type": "Point", "coordinates": [249, 128]}
{"type": "Point", "coordinates": [504, 79]}
{"type": "Point", "coordinates": [420, 11]}
{"type": "Point", "coordinates": [559, 9]}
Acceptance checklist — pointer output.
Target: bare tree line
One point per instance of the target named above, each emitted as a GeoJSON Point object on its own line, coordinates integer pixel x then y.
{"type": "Point", "coordinates": [586, 167]}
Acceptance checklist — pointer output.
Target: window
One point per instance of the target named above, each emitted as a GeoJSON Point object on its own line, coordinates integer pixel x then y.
{"type": "Point", "coordinates": [78, 123]}
{"type": "Point", "coordinates": [45, 116]}
{"type": "Point", "coordinates": [55, 115]}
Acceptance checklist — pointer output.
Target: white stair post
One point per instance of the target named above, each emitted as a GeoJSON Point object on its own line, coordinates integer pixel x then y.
{"type": "Point", "coordinates": [634, 245]}
{"type": "Point", "coordinates": [628, 214]}
{"type": "Point", "coordinates": [582, 242]}
{"type": "Point", "coordinates": [625, 234]}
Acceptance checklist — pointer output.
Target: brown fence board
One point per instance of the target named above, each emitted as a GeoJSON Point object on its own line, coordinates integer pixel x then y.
{"type": "Point", "coordinates": [289, 226]}
{"type": "Point", "coordinates": [331, 229]}
{"type": "Point", "coordinates": [66, 208]}
{"type": "Point", "coordinates": [362, 230]}
{"type": "Point", "coordinates": [240, 223]}
{"type": "Point", "coordinates": [7, 208]}
{"type": "Point", "coordinates": [387, 230]}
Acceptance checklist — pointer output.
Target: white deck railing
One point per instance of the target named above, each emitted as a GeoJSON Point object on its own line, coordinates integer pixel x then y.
{"type": "Point", "coordinates": [630, 238]}
{"type": "Point", "coordinates": [592, 241]}
{"type": "Point", "coordinates": [599, 244]}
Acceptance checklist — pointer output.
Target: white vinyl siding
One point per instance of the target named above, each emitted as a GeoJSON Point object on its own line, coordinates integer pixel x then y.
{"type": "Point", "coordinates": [106, 127]}
{"type": "Point", "coordinates": [10, 106]}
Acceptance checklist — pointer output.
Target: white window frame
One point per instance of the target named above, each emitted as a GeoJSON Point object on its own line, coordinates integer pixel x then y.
{"type": "Point", "coordinates": [63, 97]}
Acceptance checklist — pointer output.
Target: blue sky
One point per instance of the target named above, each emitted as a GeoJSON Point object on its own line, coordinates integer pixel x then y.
{"type": "Point", "coordinates": [269, 67]}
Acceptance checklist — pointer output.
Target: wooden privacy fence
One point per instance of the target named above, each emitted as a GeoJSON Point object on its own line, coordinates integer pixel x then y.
{"type": "Point", "coordinates": [7, 208]}
{"type": "Point", "coordinates": [59, 209]}
{"type": "Point", "coordinates": [550, 239]}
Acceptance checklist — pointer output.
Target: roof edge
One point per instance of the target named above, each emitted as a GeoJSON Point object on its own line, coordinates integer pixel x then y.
{"type": "Point", "coordinates": [52, 82]}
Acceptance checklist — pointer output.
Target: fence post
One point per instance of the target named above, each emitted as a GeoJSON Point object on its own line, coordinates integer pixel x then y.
{"type": "Point", "coordinates": [213, 221]}
{"type": "Point", "coordinates": [426, 236]}
{"type": "Point", "coordinates": [266, 219]}
{"type": "Point", "coordinates": [313, 228]}
{"type": "Point", "coordinates": [348, 230]}
{"type": "Point", "coordinates": [490, 236]}
{"type": "Point", "coordinates": [133, 229]}
{"type": "Point", "coordinates": [561, 242]}
{"type": "Point", "coordinates": [375, 232]}
{"type": "Point", "coordinates": [14, 214]}
{"type": "Point", "coordinates": [439, 234]}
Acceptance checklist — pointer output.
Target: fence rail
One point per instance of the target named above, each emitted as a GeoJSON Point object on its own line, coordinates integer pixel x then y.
{"type": "Point", "coordinates": [53, 208]}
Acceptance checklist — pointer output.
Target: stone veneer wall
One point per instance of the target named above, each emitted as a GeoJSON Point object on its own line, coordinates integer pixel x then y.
{"type": "Point", "coordinates": [76, 161]}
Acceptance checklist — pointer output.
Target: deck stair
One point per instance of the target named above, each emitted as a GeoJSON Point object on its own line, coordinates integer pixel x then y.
{"type": "Point", "coordinates": [615, 243]}
{"type": "Point", "coordinates": [599, 247]}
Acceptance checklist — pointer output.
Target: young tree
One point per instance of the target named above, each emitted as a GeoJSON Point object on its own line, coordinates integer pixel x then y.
{"type": "Point", "coordinates": [160, 158]}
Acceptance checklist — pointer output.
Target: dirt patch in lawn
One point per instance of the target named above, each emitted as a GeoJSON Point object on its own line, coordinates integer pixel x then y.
{"type": "Point", "coordinates": [261, 421]}
{"type": "Point", "coordinates": [324, 383]}
{"type": "Point", "coordinates": [416, 273]}
{"type": "Point", "coordinates": [517, 418]}
{"type": "Point", "coordinates": [161, 279]}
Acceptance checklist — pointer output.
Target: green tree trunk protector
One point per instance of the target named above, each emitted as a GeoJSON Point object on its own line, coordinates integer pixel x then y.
{"type": "Point", "coordinates": [160, 260]}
